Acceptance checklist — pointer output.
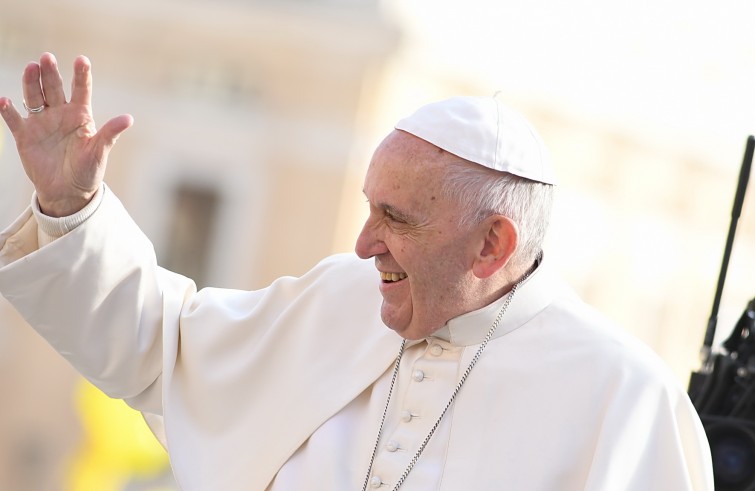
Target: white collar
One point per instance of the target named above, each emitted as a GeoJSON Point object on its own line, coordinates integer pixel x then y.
{"type": "Point", "coordinates": [532, 296]}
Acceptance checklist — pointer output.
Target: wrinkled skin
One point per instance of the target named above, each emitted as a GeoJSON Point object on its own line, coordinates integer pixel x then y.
{"type": "Point", "coordinates": [413, 232]}
{"type": "Point", "coordinates": [61, 150]}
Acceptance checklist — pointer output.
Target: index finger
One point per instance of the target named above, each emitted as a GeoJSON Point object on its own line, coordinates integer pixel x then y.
{"type": "Point", "coordinates": [81, 89]}
{"type": "Point", "coordinates": [12, 118]}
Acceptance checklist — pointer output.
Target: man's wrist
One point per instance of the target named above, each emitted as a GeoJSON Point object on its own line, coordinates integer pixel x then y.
{"type": "Point", "coordinates": [64, 207]}
{"type": "Point", "coordinates": [58, 226]}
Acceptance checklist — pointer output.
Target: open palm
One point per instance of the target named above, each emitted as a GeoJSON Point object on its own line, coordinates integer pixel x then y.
{"type": "Point", "coordinates": [61, 150]}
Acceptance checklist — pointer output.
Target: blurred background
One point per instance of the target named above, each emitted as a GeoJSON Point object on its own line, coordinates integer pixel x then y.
{"type": "Point", "coordinates": [256, 119]}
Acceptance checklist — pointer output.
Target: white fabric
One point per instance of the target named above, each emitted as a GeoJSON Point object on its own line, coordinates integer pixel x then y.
{"type": "Point", "coordinates": [285, 381]}
{"type": "Point", "coordinates": [484, 131]}
{"type": "Point", "coordinates": [55, 227]}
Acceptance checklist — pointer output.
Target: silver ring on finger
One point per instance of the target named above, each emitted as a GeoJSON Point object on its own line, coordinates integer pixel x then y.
{"type": "Point", "coordinates": [34, 110]}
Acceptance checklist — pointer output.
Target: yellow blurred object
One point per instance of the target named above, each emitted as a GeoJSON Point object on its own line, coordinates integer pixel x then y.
{"type": "Point", "coordinates": [118, 449]}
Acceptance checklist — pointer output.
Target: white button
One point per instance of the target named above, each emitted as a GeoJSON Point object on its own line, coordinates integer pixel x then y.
{"type": "Point", "coordinates": [436, 350]}
{"type": "Point", "coordinates": [418, 375]}
{"type": "Point", "coordinates": [376, 482]}
{"type": "Point", "coordinates": [392, 446]}
{"type": "Point", "coordinates": [406, 416]}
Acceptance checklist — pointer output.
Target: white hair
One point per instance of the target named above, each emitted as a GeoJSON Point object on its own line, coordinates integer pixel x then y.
{"type": "Point", "coordinates": [482, 192]}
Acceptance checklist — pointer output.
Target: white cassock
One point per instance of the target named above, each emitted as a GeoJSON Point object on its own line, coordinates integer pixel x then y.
{"type": "Point", "coordinates": [283, 388]}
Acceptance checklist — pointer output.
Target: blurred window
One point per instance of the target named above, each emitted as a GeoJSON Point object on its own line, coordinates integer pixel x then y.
{"type": "Point", "coordinates": [194, 213]}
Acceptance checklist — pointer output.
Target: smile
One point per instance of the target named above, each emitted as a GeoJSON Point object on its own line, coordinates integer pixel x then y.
{"type": "Point", "coordinates": [391, 277]}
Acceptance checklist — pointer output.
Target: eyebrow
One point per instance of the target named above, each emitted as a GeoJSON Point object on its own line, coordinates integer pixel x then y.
{"type": "Point", "coordinates": [393, 211]}
{"type": "Point", "coordinates": [396, 213]}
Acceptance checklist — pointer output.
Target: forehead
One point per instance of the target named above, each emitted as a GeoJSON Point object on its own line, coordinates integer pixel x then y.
{"type": "Point", "coordinates": [406, 175]}
{"type": "Point", "coordinates": [406, 160]}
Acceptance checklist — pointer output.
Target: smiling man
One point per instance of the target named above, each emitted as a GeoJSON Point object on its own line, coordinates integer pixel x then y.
{"type": "Point", "coordinates": [446, 356]}
{"type": "Point", "coordinates": [437, 262]}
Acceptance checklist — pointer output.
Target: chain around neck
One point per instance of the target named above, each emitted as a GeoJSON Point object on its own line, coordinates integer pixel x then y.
{"type": "Point", "coordinates": [455, 392]}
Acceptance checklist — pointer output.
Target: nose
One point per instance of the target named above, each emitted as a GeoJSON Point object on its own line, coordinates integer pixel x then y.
{"type": "Point", "coordinates": [369, 244]}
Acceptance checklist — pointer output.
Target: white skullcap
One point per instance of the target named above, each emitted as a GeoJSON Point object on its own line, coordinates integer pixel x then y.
{"type": "Point", "coordinates": [484, 131]}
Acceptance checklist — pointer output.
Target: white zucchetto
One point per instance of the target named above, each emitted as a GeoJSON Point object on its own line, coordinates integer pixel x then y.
{"type": "Point", "coordinates": [484, 131]}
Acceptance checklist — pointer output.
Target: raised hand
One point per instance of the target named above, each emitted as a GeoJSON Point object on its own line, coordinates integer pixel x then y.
{"type": "Point", "coordinates": [61, 150]}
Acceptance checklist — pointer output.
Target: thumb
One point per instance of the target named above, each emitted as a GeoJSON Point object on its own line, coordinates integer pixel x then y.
{"type": "Point", "coordinates": [110, 131]}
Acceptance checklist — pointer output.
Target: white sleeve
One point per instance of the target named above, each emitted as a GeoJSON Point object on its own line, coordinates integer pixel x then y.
{"type": "Point", "coordinates": [51, 228]}
{"type": "Point", "coordinates": [97, 296]}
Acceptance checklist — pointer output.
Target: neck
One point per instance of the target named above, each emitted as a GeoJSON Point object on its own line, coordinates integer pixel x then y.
{"type": "Point", "coordinates": [503, 282]}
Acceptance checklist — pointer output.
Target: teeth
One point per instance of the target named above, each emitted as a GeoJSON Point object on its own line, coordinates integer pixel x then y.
{"type": "Point", "coordinates": [392, 276]}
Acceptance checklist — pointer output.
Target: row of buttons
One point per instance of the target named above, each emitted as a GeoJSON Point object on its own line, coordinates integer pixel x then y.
{"type": "Point", "coordinates": [406, 415]}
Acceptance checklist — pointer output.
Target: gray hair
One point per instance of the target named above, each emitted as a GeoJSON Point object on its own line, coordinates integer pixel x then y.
{"type": "Point", "coordinates": [482, 192]}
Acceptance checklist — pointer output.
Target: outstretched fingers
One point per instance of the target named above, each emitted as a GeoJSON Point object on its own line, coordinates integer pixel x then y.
{"type": "Point", "coordinates": [52, 82]}
{"type": "Point", "coordinates": [32, 87]}
{"type": "Point", "coordinates": [11, 116]}
{"type": "Point", "coordinates": [81, 88]}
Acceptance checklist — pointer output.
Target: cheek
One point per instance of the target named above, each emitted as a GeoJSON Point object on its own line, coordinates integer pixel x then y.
{"type": "Point", "coordinates": [441, 274]}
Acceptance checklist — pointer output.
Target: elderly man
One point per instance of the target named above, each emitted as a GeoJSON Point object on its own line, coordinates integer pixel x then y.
{"type": "Point", "coordinates": [493, 374]}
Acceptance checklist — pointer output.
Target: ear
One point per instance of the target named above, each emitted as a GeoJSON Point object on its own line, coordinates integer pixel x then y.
{"type": "Point", "coordinates": [499, 241]}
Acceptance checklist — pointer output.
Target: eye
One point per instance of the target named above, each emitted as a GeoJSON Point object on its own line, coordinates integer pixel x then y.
{"type": "Point", "coordinates": [391, 217]}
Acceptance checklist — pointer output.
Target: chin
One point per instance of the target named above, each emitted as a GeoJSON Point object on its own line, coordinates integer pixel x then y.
{"type": "Point", "coordinates": [407, 330]}
{"type": "Point", "coordinates": [409, 334]}
{"type": "Point", "coordinates": [403, 329]}
{"type": "Point", "coordinates": [404, 325]}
